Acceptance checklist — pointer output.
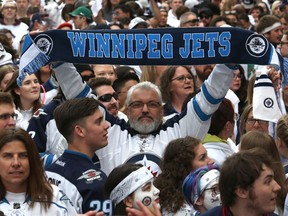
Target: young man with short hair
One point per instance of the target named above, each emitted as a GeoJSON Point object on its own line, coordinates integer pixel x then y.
{"type": "Point", "coordinates": [82, 123]}
{"type": "Point", "coordinates": [247, 186]}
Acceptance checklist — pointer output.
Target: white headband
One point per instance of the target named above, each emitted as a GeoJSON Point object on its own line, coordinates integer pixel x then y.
{"type": "Point", "coordinates": [129, 184]}
{"type": "Point", "coordinates": [270, 28]}
{"type": "Point", "coordinates": [208, 178]}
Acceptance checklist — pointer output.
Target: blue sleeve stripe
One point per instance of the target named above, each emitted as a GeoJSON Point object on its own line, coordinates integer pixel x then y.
{"type": "Point", "coordinates": [85, 92]}
{"type": "Point", "coordinates": [199, 112]}
{"type": "Point", "coordinates": [60, 206]}
{"type": "Point", "coordinates": [49, 160]}
{"type": "Point", "coordinates": [209, 98]}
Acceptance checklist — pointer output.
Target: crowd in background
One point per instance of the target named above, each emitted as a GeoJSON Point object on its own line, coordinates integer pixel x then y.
{"type": "Point", "coordinates": [200, 130]}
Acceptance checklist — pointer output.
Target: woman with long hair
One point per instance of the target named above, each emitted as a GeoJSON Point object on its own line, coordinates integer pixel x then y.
{"type": "Point", "coordinates": [181, 156]}
{"type": "Point", "coordinates": [24, 189]}
{"type": "Point", "coordinates": [26, 97]}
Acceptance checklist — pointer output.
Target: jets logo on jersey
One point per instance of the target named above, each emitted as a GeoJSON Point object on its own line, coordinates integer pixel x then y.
{"type": "Point", "coordinates": [90, 175]}
{"type": "Point", "coordinates": [151, 161]}
{"type": "Point", "coordinates": [38, 113]}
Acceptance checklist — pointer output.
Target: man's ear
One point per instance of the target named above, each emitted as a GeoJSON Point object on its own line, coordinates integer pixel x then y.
{"type": "Point", "coordinates": [128, 201]}
{"type": "Point", "coordinates": [79, 131]}
{"type": "Point", "coordinates": [242, 193]}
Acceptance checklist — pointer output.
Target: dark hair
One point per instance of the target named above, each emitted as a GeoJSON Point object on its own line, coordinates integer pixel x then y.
{"type": "Point", "coordinates": [68, 8]}
{"type": "Point", "coordinates": [244, 17]}
{"type": "Point", "coordinates": [12, 86]}
{"type": "Point", "coordinates": [97, 82]}
{"type": "Point", "coordinates": [218, 19]}
{"type": "Point", "coordinates": [121, 80]}
{"type": "Point", "coordinates": [242, 91]}
{"type": "Point", "coordinates": [165, 82]}
{"type": "Point", "coordinates": [241, 170]}
{"type": "Point", "coordinates": [223, 114]}
{"type": "Point", "coordinates": [181, 10]}
{"type": "Point", "coordinates": [121, 70]}
{"type": "Point", "coordinates": [266, 21]}
{"type": "Point", "coordinates": [114, 178]}
{"type": "Point", "coordinates": [136, 9]}
{"type": "Point", "coordinates": [71, 113]}
{"type": "Point", "coordinates": [125, 8]}
{"type": "Point", "coordinates": [6, 98]}
{"type": "Point", "coordinates": [256, 7]}
{"type": "Point", "coordinates": [176, 164]}
{"type": "Point", "coordinates": [38, 188]}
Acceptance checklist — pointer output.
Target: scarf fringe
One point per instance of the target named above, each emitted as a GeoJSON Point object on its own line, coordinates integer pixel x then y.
{"type": "Point", "coordinates": [38, 62]}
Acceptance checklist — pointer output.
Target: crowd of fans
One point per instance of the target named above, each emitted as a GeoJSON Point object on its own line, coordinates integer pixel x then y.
{"type": "Point", "coordinates": [141, 139]}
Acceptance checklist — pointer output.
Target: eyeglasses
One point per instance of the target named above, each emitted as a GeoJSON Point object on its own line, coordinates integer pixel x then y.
{"type": "Point", "coordinates": [237, 76]}
{"type": "Point", "coordinates": [108, 97]}
{"type": "Point", "coordinates": [252, 121]}
{"type": "Point", "coordinates": [7, 116]}
{"type": "Point", "coordinates": [194, 21]}
{"type": "Point", "coordinates": [9, 7]}
{"type": "Point", "coordinates": [183, 78]}
{"type": "Point", "coordinates": [215, 190]}
{"type": "Point", "coordinates": [139, 105]}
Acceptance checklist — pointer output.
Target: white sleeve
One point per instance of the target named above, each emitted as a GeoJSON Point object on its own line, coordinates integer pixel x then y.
{"type": "Point", "coordinates": [70, 81]}
{"type": "Point", "coordinates": [63, 203]}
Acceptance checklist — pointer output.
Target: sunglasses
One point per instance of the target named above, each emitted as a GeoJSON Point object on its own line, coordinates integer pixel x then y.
{"type": "Point", "coordinates": [108, 97]}
{"type": "Point", "coordinates": [204, 17]}
{"type": "Point", "coordinates": [88, 77]}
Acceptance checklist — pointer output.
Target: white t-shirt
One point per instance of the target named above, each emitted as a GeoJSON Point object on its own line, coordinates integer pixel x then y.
{"type": "Point", "coordinates": [16, 204]}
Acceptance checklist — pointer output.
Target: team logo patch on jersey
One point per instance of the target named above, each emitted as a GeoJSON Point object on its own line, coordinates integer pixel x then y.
{"type": "Point", "coordinates": [151, 161]}
{"type": "Point", "coordinates": [39, 112]}
{"type": "Point", "coordinates": [256, 45]}
{"type": "Point", "coordinates": [90, 175]}
{"type": "Point", "coordinates": [44, 43]}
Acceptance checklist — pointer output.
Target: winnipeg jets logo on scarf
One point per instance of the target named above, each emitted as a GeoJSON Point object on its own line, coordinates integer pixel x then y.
{"type": "Point", "coordinates": [44, 43]}
{"type": "Point", "coordinates": [256, 46]}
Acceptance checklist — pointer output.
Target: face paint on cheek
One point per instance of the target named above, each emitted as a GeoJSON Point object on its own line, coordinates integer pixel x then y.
{"type": "Point", "coordinates": [147, 201]}
{"type": "Point", "coordinates": [146, 197]}
{"type": "Point", "coordinates": [211, 200]}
